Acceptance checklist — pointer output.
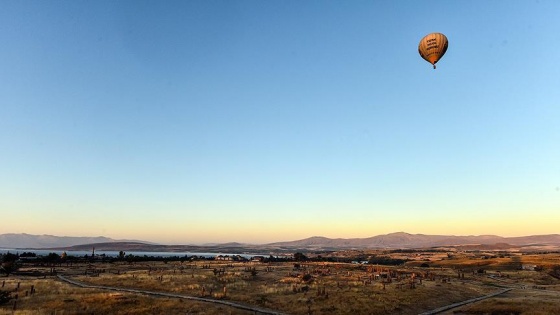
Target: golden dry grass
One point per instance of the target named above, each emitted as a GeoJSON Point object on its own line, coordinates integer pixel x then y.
{"type": "Point", "coordinates": [56, 297]}
{"type": "Point", "coordinates": [516, 302]}
{"type": "Point", "coordinates": [342, 291]}
{"type": "Point", "coordinates": [333, 289]}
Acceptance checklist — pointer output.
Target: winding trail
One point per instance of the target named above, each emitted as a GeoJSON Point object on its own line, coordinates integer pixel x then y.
{"type": "Point", "coordinates": [172, 295]}
{"type": "Point", "coordinates": [454, 305]}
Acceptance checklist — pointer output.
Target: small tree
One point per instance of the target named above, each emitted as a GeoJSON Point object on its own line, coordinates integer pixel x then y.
{"type": "Point", "coordinates": [52, 258]}
{"type": "Point", "coordinates": [9, 263]}
{"type": "Point", "coordinates": [300, 257]}
{"type": "Point", "coordinates": [5, 297]}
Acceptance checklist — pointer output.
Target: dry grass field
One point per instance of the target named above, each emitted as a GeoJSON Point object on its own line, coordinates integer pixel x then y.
{"type": "Point", "coordinates": [534, 302]}
{"type": "Point", "coordinates": [310, 288]}
{"type": "Point", "coordinates": [56, 297]}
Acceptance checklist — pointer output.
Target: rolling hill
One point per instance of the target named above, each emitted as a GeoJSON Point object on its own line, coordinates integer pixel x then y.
{"type": "Point", "coordinates": [389, 241]}
{"type": "Point", "coordinates": [23, 240]}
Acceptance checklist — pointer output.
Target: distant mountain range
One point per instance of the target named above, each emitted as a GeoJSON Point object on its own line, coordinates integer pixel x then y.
{"type": "Point", "coordinates": [406, 240]}
{"type": "Point", "coordinates": [22, 240]}
{"type": "Point", "coordinates": [389, 241]}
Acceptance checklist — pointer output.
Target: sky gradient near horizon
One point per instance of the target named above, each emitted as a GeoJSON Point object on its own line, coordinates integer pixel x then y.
{"type": "Point", "coordinates": [261, 121]}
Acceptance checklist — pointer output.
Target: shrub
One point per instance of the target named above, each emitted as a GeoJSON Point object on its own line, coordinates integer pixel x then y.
{"type": "Point", "coordinates": [5, 297]}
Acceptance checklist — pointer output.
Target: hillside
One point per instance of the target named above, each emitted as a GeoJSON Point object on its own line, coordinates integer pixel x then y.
{"type": "Point", "coordinates": [406, 240]}
{"type": "Point", "coordinates": [23, 240]}
{"type": "Point", "coordinates": [392, 240]}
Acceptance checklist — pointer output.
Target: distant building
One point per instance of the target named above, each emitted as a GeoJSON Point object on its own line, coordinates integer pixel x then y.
{"type": "Point", "coordinates": [223, 258]}
{"type": "Point", "coordinates": [362, 262]}
{"type": "Point", "coordinates": [230, 258]}
{"type": "Point", "coordinates": [529, 267]}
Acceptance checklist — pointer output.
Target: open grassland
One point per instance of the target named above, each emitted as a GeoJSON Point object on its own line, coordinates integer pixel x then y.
{"type": "Point", "coordinates": [56, 297]}
{"type": "Point", "coordinates": [293, 288]}
{"type": "Point", "coordinates": [535, 292]}
{"type": "Point", "coordinates": [515, 302]}
{"type": "Point", "coordinates": [327, 288]}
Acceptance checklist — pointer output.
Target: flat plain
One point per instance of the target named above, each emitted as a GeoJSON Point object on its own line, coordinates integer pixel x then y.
{"type": "Point", "coordinates": [427, 281]}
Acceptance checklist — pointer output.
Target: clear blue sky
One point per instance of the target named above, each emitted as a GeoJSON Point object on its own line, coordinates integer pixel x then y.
{"type": "Point", "coordinates": [260, 121]}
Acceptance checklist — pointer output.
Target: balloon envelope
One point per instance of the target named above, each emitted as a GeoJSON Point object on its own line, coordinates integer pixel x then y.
{"type": "Point", "coordinates": [432, 47]}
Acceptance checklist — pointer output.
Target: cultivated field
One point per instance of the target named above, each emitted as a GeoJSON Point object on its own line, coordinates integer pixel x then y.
{"type": "Point", "coordinates": [428, 281]}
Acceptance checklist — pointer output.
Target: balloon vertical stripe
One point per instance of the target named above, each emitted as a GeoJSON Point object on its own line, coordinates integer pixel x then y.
{"type": "Point", "coordinates": [432, 47]}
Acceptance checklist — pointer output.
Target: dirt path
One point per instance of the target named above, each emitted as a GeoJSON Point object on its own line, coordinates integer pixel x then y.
{"type": "Point", "coordinates": [257, 310]}
{"type": "Point", "coordinates": [454, 305]}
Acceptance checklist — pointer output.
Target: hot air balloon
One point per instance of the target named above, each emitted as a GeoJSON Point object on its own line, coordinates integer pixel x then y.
{"type": "Point", "coordinates": [432, 47]}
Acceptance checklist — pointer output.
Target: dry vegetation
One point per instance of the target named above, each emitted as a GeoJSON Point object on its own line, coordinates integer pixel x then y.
{"type": "Point", "coordinates": [310, 288]}
{"type": "Point", "coordinates": [515, 302]}
{"type": "Point", "coordinates": [56, 297]}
